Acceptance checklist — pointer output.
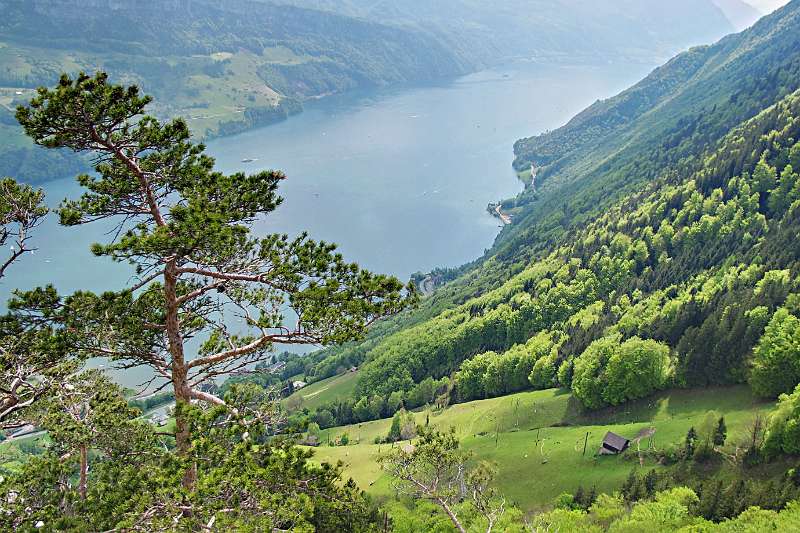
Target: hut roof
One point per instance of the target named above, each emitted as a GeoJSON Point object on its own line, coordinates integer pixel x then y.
{"type": "Point", "coordinates": [613, 443]}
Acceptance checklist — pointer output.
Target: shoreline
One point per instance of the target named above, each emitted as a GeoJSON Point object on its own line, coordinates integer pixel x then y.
{"type": "Point", "coordinates": [496, 210]}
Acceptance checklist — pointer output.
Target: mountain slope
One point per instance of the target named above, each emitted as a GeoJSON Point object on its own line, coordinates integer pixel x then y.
{"type": "Point", "coordinates": [692, 100]}
{"type": "Point", "coordinates": [663, 226]}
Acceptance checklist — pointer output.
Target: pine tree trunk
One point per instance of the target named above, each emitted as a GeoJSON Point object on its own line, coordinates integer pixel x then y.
{"type": "Point", "coordinates": [180, 381]}
{"type": "Point", "coordinates": [183, 437]}
{"type": "Point", "coordinates": [84, 452]}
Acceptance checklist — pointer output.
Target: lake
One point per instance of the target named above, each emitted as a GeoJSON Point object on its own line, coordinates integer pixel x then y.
{"type": "Point", "coordinates": [400, 178]}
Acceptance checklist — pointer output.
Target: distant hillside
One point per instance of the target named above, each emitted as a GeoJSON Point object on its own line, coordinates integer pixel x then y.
{"type": "Point", "coordinates": [550, 29]}
{"type": "Point", "coordinates": [233, 65]}
{"type": "Point", "coordinates": [635, 136]}
{"type": "Point", "coordinates": [225, 66]}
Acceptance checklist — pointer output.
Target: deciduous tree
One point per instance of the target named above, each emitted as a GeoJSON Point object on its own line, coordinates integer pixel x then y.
{"type": "Point", "coordinates": [436, 469]}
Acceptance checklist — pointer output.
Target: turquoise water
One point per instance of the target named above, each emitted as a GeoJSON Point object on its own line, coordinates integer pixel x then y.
{"type": "Point", "coordinates": [399, 178]}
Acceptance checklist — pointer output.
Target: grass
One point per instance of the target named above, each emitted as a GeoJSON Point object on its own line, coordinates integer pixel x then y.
{"type": "Point", "coordinates": [535, 439]}
{"type": "Point", "coordinates": [322, 392]}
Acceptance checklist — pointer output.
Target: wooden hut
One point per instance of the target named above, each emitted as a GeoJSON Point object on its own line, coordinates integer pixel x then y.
{"type": "Point", "coordinates": [614, 444]}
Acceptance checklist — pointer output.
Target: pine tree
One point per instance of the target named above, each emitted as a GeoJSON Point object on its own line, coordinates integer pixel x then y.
{"type": "Point", "coordinates": [31, 363]}
{"type": "Point", "coordinates": [185, 228]}
{"type": "Point", "coordinates": [650, 481]}
{"type": "Point", "coordinates": [691, 438]}
{"type": "Point", "coordinates": [89, 413]}
{"type": "Point", "coordinates": [628, 486]}
{"type": "Point", "coordinates": [711, 500]}
{"type": "Point", "coordinates": [580, 498]}
{"type": "Point", "coordinates": [639, 491]}
{"type": "Point", "coordinates": [394, 430]}
{"type": "Point", "coordinates": [721, 433]}
{"type": "Point", "coordinates": [592, 497]}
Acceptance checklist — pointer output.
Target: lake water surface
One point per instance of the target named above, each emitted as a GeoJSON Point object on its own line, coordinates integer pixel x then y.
{"type": "Point", "coordinates": [400, 179]}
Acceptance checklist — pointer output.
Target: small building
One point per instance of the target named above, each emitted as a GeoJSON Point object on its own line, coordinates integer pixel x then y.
{"type": "Point", "coordinates": [297, 385]}
{"type": "Point", "coordinates": [613, 444]}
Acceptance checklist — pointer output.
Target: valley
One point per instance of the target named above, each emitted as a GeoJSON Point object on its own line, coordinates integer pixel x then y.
{"type": "Point", "coordinates": [564, 294]}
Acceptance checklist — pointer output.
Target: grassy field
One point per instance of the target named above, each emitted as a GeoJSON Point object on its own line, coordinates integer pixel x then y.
{"type": "Point", "coordinates": [535, 439]}
{"type": "Point", "coordinates": [321, 392]}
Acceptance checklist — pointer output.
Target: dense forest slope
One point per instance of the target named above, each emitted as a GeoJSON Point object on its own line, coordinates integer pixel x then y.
{"type": "Point", "coordinates": [228, 66]}
{"type": "Point", "coordinates": [659, 250]}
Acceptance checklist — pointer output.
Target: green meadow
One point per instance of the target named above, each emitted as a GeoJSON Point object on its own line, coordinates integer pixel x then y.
{"type": "Point", "coordinates": [535, 440]}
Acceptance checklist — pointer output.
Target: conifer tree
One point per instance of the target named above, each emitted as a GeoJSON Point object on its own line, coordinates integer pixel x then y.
{"type": "Point", "coordinates": [580, 498]}
{"type": "Point", "coordinates": [628, 486]}
{"type": "Point", "coordinates": [185, 228]}
{"type": "Point", "coordinates": [721, 433]}
{"type": "Point", "coordinates": [691, 438]}
{"type": "Point", "coordinates": [90, 413]}
{"type": "Point", "coordinates": [30, 361]}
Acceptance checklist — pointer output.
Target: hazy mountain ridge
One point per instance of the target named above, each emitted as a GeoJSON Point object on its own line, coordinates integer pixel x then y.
{"type": "Point", "coordinates": [677, 100]}
{"type": "Point", "coordinates": [741, 14]}
{"type": "Point", "coordinates": [548, 28]}
{"type": "Point", "coordinates": [225, 67]}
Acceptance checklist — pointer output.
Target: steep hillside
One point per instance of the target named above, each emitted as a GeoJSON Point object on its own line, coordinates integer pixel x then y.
{"type": "Point", "coordinates": [535, 439]}
{"type": "Point", "coordinates": [660, 238]}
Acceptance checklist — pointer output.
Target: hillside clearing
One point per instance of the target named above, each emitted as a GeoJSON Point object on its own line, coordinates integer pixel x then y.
{"type": "Point", "coordinates": [536, 439]}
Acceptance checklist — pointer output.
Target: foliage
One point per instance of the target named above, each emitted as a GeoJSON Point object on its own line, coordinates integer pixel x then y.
{"type": "Point", "coordinates": [435, 469]}
{"type": "Point", "coordinates": [244, 481]}
{"type": "Point", "coordinates": [611, 373]}
{"type": "Point", "coordinates": [33, 356]}
{"type": "Point", "coordinates": [783, 434]}
{"type": "Point", "coordinates": [403, 427]}
{"type": "Point", "coordinates": [776, 358]}
{"type": "Point", "coordinates": [488, 375]}
{"type": "Point", "coordinates": [670, 510]}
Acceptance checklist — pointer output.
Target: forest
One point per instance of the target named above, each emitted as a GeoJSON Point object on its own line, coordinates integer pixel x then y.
{"type": "Point", "coordinates": [569, 248]}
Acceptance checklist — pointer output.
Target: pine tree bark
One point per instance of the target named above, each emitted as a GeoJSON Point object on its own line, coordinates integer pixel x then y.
{"type": "Point", "coordinates": [180, 382]}
{"type": "Point", "coordinates": [84, 471]}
